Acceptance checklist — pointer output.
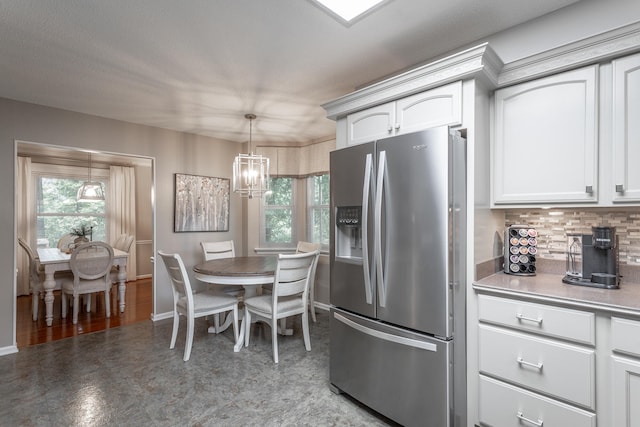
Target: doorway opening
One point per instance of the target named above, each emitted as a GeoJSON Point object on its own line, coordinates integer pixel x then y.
{"type": "Point", "coordinates": [45, 225]}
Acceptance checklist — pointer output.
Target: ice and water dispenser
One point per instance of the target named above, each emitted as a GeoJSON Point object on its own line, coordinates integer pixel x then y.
{"type": "Point", "coordinates": [349, 233]}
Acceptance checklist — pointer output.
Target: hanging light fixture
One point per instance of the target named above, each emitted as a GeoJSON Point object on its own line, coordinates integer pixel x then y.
{"type": "Point", "coordinates": [90, 191]}
{"type": "Point", "coordinates": [250, 171]}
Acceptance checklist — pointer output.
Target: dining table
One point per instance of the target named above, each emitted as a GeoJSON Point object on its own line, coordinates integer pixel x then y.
{"type": "Point", "coordinates": [248, 272]}
{"type": "Point", "coordinates": [53, 259]}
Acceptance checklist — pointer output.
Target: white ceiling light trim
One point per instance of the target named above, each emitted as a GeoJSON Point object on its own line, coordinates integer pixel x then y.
{"type": "Point", "coordinates": [351, 9]}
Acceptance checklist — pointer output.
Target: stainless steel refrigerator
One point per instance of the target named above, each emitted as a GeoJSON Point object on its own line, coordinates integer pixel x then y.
{"type": "Point", "coordinates": [397, 328]}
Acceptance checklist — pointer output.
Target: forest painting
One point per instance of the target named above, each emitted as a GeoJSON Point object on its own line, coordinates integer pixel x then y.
{"type": "Point", "coordinates": [201, 203]}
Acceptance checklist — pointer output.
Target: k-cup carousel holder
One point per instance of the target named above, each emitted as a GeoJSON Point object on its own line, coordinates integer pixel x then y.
{"type": "Point", "coordinates": [520, 249]}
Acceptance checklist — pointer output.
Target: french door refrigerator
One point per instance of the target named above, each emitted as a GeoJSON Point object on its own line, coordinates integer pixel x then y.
{"type": "Point", "coordinates": [397, 254]}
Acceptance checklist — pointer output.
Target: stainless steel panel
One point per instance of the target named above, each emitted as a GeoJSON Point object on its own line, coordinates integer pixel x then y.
{"type": "Point", "coordinates": [347, 283]}
{"type": "Point", "coordinates": [404, 375]}
{"type": "Point", "coordinates": [417, 192]}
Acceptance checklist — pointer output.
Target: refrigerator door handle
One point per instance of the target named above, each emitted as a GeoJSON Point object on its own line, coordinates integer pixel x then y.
{"type": "Point", "coordinates": [382, 164]}
{"type": "Point", "coordinates": [386, 336]}
{"type": "Point", "coordinates": [366, 186]}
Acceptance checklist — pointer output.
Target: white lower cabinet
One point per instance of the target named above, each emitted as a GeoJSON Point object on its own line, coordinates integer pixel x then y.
{"type": "Point", "coordinates": [536, 363]}
{"type": "Point", "coordinates": [557, 369]}
{"type": "Point", "coordinates": [625, 365]}
{"type": "Point", "coordinates": [626, 392]}
{"type": "Point", "coordinates": [505, 405]}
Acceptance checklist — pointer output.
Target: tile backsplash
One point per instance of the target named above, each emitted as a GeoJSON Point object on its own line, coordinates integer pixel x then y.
{"type": "Point", "coordinates": [554, 224]}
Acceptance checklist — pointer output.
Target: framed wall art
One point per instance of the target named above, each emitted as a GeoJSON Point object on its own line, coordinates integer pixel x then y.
{"type": "Point", "coordinates": [201, 203]}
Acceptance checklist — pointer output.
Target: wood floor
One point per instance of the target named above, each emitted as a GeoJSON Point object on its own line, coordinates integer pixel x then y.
{"type": "Point", "coordinates": [139, 306]}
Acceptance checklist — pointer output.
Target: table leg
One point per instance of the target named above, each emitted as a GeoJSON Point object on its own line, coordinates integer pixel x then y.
{"type": "Point", "coordinates": [48, 285]}
{"type": "Point", "coordinates": [122, 287]}
{"type": "Point", "coordinates": [240, 341]}
{"type": "Point", "coordinates": [228, 320]}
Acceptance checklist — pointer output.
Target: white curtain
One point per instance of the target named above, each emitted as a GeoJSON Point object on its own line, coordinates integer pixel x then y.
{"type": "Point", "coordinates": [122, 210]}
{"type": "Point", "coordinates": [25, 200]}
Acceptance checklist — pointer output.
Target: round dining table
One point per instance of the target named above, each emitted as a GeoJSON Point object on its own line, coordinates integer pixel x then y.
{"type": "Point", "coordinates": [248, 272]}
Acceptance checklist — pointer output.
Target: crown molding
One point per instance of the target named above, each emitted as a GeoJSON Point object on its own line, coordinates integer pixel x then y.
{"type": "Point", "coordinates": [480, 61]}
{"type": "Point", "coordinates": [598, 48]}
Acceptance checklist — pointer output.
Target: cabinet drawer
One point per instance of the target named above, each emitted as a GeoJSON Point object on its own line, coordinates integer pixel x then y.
{"type": "Point", "coordinates": [625, 336]}
{"type": "Point", "coordinates": [560, 370]}
{"type": "Point", "coordinates": [503, 405]}
{"type": "Point", "coordinates": [569, 324]}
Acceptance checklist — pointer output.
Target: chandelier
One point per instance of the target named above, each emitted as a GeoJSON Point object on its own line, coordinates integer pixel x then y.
{"type": "Point", "coordinates": [250, 171]}
{"type": "Point", "coordinates": [90, 191]}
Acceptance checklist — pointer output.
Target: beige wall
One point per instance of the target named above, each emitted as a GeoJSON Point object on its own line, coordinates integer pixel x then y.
{"type": "Point", "coordinates": [173, 152]}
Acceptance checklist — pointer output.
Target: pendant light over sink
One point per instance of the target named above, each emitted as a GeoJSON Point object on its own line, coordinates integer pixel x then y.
{"type": "Point", "coordinates": [250, 171]}
{"type": "Point", "coordinates": [90, 191]}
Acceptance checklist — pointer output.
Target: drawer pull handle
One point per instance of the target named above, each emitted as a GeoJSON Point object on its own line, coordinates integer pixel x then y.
{"type": "Point", "coordinates": [529, 319]}
{"type": "Point", "coordinates": [537, 366]}
{"type": "Point", "coordinates": [521, 417]}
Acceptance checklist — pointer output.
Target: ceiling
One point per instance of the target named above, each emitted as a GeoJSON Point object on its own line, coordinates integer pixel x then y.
{"type": "Point", "coordinates": [199, 66]}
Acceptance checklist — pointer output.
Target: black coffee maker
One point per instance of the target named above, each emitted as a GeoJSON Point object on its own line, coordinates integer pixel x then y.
{"type": "Point", "coordinates": [592, 259]}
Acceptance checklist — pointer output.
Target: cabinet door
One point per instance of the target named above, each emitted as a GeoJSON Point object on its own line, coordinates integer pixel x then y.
{"type": "Point", "coordinates": [371, 124]}
{"type": "Point", "coordinates": [545, 140]}
{"type": "Point", "coordinates": [626, 392]}
{"type": "Point", "coordinates": [436, 107]}
{"type": "Point", "coordinates": [626, 129]}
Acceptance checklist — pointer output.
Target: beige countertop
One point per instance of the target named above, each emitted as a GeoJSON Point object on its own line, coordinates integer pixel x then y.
{"type": "Point", "coordinates": [549, 288]}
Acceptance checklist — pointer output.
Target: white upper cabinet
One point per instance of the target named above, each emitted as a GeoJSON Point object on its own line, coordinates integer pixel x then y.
{"type": "Point", "coordinates": [626, 129]}
{"type": "Point", "coordinates": [545, 142]}
{"type": "Point", "coordinates": [371, 124]}
{"type": "Point", "coordinates": [435, 107]}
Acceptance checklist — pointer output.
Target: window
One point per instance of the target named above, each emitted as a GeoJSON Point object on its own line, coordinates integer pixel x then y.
{"type": "Point", "coordinates": [318, 210]}
{"type": "Point", "coordinates": [278, 228]}
{"type": "Point", "coordinates": [57, 211]}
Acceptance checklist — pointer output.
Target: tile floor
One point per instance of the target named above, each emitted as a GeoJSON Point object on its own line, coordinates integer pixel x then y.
{"type": "Point", "coordinates": [127, 376]}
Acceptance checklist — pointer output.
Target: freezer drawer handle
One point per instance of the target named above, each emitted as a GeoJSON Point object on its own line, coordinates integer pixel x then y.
{"type": "Point", "coordinates": [385, 336]}
{"type": "Point", "coordinates": [537, 366]}
{"type": "Point", "coordinates": [529, 319]}
{"type": "Point", "coordinates": [521, 417]}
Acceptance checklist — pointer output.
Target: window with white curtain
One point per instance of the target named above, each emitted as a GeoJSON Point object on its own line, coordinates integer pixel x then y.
{"type": "Point", "coordinates": [278, 224]}
{"type": "Point", "coordinates": [297, 209]}
{"type": "Point", "coordinates": [58, 212]}
{"type": "Point", "coordinates": [318, 210]}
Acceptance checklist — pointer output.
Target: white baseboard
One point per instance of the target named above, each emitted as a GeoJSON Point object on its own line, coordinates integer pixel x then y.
{"type": "Point", "coordinates": [322, 306]}
{"type": "Point", "coordinates": [162, 316]}
{"type": "Point", "coordinates": [8, 350]}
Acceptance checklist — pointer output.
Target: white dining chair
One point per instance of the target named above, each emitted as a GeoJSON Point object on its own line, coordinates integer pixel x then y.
{"type": "Point", "coordinates": [220, 250]}
{"type": "Point", "coordinates": [36, 277]}
{"type": "Point", "coordinates": [65, 241]}
{"type": "Point", "coordinates": [305, 247]}
{"type": "Point", "coordinates": [193, 305]}
{"type": "Point", "coordinates": [289, 297]}
{"type": "Point", "coordinates": [123, 243]}
{"type": "Point", "coordinates": [90, 264]}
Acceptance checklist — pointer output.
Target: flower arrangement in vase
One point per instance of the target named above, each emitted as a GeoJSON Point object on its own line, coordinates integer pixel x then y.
{"type": "Point", "coordinates": [82, 231]}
